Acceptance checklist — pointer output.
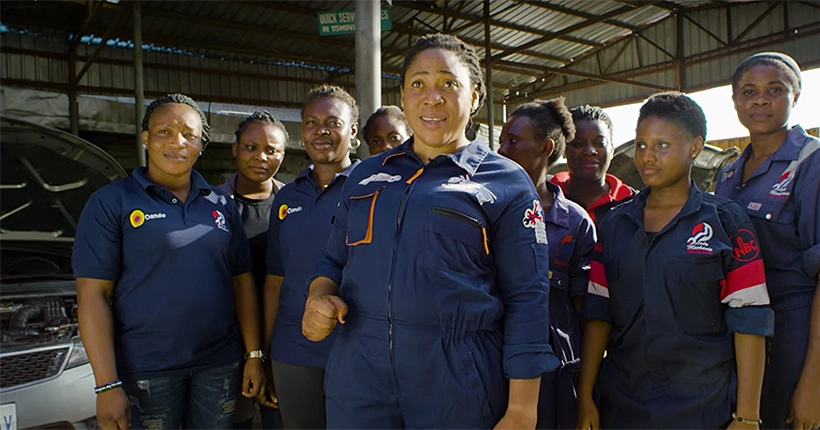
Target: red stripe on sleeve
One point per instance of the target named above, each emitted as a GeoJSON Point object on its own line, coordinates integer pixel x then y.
{"type": "Point", "coordinates": [745, 276]}
{"type": "Point", "coordinates": [597, 273]}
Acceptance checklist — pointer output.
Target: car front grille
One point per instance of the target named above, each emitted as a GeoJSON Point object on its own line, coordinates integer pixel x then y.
{"type": "Point", "coordinates": [32, 366]}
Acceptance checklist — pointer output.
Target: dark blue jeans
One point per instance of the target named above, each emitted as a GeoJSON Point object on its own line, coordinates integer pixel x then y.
{"type": "Point", "coordinates": [204, 399]}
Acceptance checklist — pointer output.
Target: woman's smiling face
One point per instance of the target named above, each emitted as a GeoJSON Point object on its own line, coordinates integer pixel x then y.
{"type": "Point", "coordinates": [438, 98]}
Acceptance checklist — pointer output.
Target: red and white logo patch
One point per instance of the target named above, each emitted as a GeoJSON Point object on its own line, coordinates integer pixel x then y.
{"type": "Point", "coordinates": [219, 220]}
{"type": "Point", "coordinates": [744, 246]}
{"type": "Point", "coordinates": [699, 242]}
{"type": "Point", "coordinates": [534, 219]}
{"type": "Point", "coordinates": [780, 190]}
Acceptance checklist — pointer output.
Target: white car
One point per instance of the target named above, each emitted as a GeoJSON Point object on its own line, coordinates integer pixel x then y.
{"type": "Point", "coordinates": [46, 177]}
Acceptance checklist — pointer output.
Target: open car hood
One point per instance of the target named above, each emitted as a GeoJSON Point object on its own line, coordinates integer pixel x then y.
{"type": "Point", "coordinates": [46, 177]}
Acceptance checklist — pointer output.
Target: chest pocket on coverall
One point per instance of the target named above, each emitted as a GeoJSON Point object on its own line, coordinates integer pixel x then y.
{"type": "Point", "coordinates": [695, 295]}
{"type": "Point", "coordinates": [459, 239]}
{"type": "Point", "coordinates": [360, 219]}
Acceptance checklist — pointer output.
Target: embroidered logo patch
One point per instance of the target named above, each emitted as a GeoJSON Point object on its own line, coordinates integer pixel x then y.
{"type": "Point", "coordinates": [754, 206]}
{"type": "Point", "coordinates": [534, 219]}
{"type": "Point", "coordinates": [219, 220]}
{"type": "Point", "coordinates": [137, 218]}
{"type": "Point", "coordinates": [464, 184]}
{"type": "Point", "coordinates": [380, 177]}
{"type": "Point", "coordinates": [744, 245]}
{"type": "Point", "coordinates": [780, 189]}
{"type": "Point", "coordinates": [284, 211]}
{"type": "Point", "coordinates": [564, 251]}
{"type": "Point", "coordinates": [699, 242]}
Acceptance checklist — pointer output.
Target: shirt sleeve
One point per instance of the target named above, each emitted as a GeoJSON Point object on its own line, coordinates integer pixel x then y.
{"type": "Point", "coordinates": [743, 288]}
{"type": "Point", "coordinates": [97, 249]}
{"type": "Point", "coordinates": [239, 251]}
{"type": "Point", "coordinates": [807, 200]}
{"type": "Point", "coordinates": [581, 257]}
{"type": "Point", "coordinates": [273, 256]}
{"type": "Point", "coordinates": [519, 245]}
{"type": "Point", "coordinates": [596, 302]}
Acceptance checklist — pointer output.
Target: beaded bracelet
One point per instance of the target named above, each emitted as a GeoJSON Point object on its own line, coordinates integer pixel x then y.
{"type": "Point", "coordinates": [756, 422]}
{"type": "Point", "coordinates": [107, 387]}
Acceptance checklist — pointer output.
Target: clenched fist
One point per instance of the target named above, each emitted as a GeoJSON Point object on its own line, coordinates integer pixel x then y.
{"type": "Point", "coordinates": [321, 315]}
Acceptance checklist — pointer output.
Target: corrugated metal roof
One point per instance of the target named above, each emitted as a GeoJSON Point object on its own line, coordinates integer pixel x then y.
{"type": "Point", "coordinates": [583, 42]}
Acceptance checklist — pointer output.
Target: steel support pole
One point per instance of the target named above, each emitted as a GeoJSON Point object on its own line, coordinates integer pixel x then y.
{"type": "Point", "coordinates": [139, 83]}
{"type": "Point", "coordinates": [368, 63]}
{"type": "Point", "coordinates": [488, 58]}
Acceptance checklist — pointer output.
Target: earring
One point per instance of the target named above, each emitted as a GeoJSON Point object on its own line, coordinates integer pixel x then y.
{"type": "Point", "coordinates": [355, 143]}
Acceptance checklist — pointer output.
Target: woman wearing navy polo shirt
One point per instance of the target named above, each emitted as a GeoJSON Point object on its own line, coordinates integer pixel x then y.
{"type": "Point", "coordinates": [677, 296]}
{"type": "Point", "coordinates": [299, 227]}
{"type": "Point", "coordinates": [166, 297]}
{"type": "Point", "coordinates": [776, 181]}
{"type": "Point", "coordinates": [535, 136]}
{"type": "Point", "coordinates": [437, 266]}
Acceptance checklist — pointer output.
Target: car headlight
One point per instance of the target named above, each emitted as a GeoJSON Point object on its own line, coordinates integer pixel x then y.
{"type": "Point", "coordinates": [78, 355]}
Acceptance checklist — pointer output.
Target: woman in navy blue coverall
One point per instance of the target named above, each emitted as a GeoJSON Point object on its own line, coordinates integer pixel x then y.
{"type": "Point", "coordinates": [776, 181]}
{"type": "Point", "coordinates": [437, 269]}
{"type": "Point", "coordinates": [677, 294]}
{"type": "Point", "coordinates": [535, 136]}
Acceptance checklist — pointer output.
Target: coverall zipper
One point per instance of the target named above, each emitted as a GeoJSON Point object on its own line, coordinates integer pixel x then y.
{"type": "Point", "coordinates": [399, 218]}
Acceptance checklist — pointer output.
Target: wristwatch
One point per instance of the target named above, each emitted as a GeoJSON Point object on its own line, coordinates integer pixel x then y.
{"type": "Point", "coordinates": [257, 353]}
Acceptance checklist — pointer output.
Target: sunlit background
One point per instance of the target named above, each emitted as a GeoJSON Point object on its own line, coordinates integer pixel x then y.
{"type": "Point", "coordinates": [720, 113]}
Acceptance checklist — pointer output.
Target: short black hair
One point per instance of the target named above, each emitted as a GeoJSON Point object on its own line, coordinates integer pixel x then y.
{"type": "Point", "coordinates": [180, 99]}
{"type": "Point", "coordinates": [677, 107]}
{"type": "Point", "coordinates": [592, 113]}
{"type": "Point", "coordinates": [450, 43]}
{"type": "Point", "coordinates": [328, 91]}
{"type": "Point", "coordinates": [551, 120]}
{"type": "Point", "coordinates": [781, 61]}
{"type": "Point", "coordinates": [262, 117]}
{"type": "Point", "coordinates": [388, 110]}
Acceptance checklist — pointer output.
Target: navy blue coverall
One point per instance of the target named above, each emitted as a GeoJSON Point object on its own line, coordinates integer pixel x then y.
{"type": "Point", "coordinates": [444, 269]}
{"type": "Point", "coordinates": [782, 198]}
{"type": "Point", "coordinates": [675, 298]}
{"type": "Point", "coordinates": [571, 235]}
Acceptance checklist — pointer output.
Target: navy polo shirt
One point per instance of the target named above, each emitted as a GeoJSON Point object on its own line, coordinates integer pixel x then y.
{"type": "Point", "coordinates": [452, 248]}
{"type": "Point", "coordinates": [173, 263]}
{"type": "Point", "coordinates": [300, 224]}
{"type": "Point", "coordinates": [782, 197]}
{"type": "Point", "coordinates": [675, 299]}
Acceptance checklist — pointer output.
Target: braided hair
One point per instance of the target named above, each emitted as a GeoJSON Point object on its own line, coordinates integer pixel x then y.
{"type": "Point", "coordinates": [261, 117]}
{"type": "Point", "coordinates": [180, 99]}
{"type": "Point", "coordinates": [451, 43]}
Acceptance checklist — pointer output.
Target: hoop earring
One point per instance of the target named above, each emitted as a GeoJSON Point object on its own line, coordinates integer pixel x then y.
{"type": "Point", "coordinates": [355, 143]}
